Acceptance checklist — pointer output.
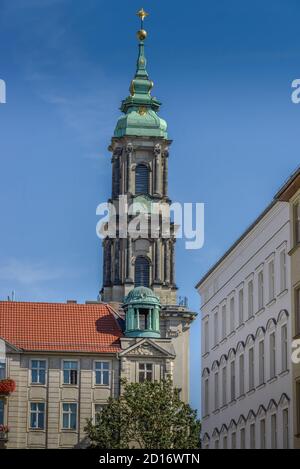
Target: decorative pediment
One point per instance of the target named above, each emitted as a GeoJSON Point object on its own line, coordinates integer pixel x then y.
{"type": "Point", "coordinates": [148, 348]}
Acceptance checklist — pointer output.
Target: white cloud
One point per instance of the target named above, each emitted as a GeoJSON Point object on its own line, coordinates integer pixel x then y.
{"type": "Point", "coordinates": [30, 273]}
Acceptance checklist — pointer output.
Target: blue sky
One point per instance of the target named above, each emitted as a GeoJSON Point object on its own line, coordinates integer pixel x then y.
{"type": "Point", "coordinates": [223, 71]}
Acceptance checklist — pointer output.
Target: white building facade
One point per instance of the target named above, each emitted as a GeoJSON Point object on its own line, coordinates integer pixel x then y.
{"type": "Point", "coordinates": [246, 340]}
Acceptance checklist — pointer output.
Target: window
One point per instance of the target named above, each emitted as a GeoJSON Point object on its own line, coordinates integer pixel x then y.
{"type": "Point", "coordinates": [232, 315]}
{"type": "Point", "coordinates": [98, 408]}
{"type": "Point", "coordinates": [102, 372]}
{"type": "Point", "coordinates": [224, 331]}
{"type": "Point", "coordinates": [233, 440]}
{"type": "Point", "coordinates": [251, 369]}
{"type": "Point", "coordinates": [2, 369]}
{"type": "Point", "coordinates": [225, 442]}
{"type": "Point", "coordinates": [242, 374]}
{"type": "Point", "coordinates": [224, 386]}
{"type": "Point", "coordinates": [261, 362]}
{"type": "Point", "coordinates": [243, 438]}
{"type": "Point", "coordinates": [297, 310]}
{"type": "Point", "coordinates": [272, 355]}
{"type": "Point", "coordinates": [298, 406]}
{"type": "Point", "coordinates": [38, 372]}
{"type": "Point", "coordinates": [241, 307]}
{"type": "Point", "coordinates": [216, 390]}
{"type": "Point", "coordinates": [297, 222]}
{"type": "Point", "coordinates": [252, 436]}
{"type": "Point", "coordinates": [217, 444]}
{"type": "Point", "coordinates": [284, 348]}
{"type": "Point", "coordinates": [285, 433]}
{"type": "Point", "coordinates": [70, 372]}
{"type": "Point", "coordinates": [142, 272]}
{"type": "Point", "coordinates": [69, 416]}
{"type": "Point", "coordinates": [1, 411]}
{"type": "Point", "coordinates": [142, 179]}
{"type": "Point", "coordinates": [206, 337]}
{"type": "Point", "coordinates": [145, 372]}
{"type": "Point", "coordinates": [37, 415]}
{"type": "Point", "coordinates": [263, 434]}
{"type": "Point", "coordinates": [271, 281]}
{"type": "Point", "coordinates": [282, 271]}
{"type": "Point", "coordinates": [216, 328]}
{"type": "Point", "coordinates": [274, 431]}
{"type": "Point", "coordinates": [250, 299]}
{"type": "Point", "coordinates": [206, 397]}
{"type": "Point", "coordinates": [232, 379]}
{"type": "Point", "coordinates": [260, 290]}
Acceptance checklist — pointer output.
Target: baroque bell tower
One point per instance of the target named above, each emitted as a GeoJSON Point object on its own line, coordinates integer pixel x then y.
{"type": "Point", "coordinates": [140, 155]}
{"type": "Point", "coordinates": [139, 268]}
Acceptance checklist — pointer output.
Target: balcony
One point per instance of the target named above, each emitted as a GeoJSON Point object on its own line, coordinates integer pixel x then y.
{"type": "Point", "coordinates": [7, 386]}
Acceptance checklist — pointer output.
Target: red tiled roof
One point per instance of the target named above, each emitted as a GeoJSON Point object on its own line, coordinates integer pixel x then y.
{"type": "Point", "coordinates": [60, 327]}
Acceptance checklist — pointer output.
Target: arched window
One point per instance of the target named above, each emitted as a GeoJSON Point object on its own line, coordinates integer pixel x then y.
{"type": "Point", "coordinates": [142, 272]}
{"type": "Point", "coordinates": [142, 179]}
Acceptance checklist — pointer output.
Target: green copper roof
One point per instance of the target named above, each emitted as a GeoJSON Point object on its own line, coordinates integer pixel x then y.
{"type": "Point", "coordinates": [141, 295]}
{"type": "Point", "coordinates": [140, 108]}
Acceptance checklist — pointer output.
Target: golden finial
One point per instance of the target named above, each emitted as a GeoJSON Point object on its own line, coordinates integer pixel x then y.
{"type": "Point", "coordinates": [142, 14]}
{"type": "Point", "coordinates": [142, 34]}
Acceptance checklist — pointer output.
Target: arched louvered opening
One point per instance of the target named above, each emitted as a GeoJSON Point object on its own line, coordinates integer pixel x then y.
{"type": "Point", "coordinates": [142, 272]}
{"type": "Point", "coordinates": [116, 178]}
{"type": "Point", "coordinates": [142, 179]}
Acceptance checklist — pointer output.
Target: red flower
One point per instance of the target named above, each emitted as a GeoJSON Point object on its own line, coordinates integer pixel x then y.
{"type": "Point", "coordinates": [4, 429]}
{"type": "Point", "coordinates": [7, 386]}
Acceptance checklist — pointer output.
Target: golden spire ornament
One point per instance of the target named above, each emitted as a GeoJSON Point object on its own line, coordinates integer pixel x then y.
{"type": "Point", "coordinates": [142, 34]}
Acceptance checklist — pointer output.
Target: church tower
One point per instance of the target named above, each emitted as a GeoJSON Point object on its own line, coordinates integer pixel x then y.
{"type": "Point", "coordinates": [139, 268]}
{"type": "Point", "coordinates": [140, 155]}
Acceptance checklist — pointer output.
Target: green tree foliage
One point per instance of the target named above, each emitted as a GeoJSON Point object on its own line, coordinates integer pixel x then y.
{"type": "Point", "coordinates": [147, 415]}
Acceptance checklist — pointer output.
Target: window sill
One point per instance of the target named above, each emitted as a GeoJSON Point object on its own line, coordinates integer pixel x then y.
{"type": "Point", "coordinates": [232, 334]}
{"type": "Point", "coordinates": [284, 373]}
{"type": "Point", "coordinates": [215, 347]}
{"type": "Point", "coordinates": [249, 319]}
{"type": "Point", "coordinates": [271, 302]}
{"type": "Point", "coordinates": [102, 386]}
{"type": "Point", "coordinates": [205, 417]}
{"type": "Point", "coordinates": [241, 397]}
{"type": "Point", "coordinates": [225, 406]}
{"type": "Point", "coordinates": [261, 386]}
{"type": "Point", "coordinates": [260, 311]}
{"type": "Point", "coordinates": [37, 430]}
{"type": "Point", "coordinates": [75, 386]}
{"type": "Point", "coordinates": [205, 355]}
{"type": "Point", "coordinates": [250, 392]}
{"type": "Point", "coordinates": [281, 294]}
{"type": "Point", "coordinates": [216, 412]}
{"type": "Point", "coordinates": [223, 341]}
{"type": "Point", "coordinates": [272, 380]}
{"type": "Point", "coordinates": [66, 430]}
{"type": "Point", "coordinates": [233, 402]}
{"type": "Point", "coordinates": [240, 326]}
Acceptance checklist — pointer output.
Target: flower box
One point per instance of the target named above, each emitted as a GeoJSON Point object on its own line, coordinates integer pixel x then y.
{"type": "Point", "coordinates": [4, 430]}
{"type": "Point", "coordinates": [7, 386]}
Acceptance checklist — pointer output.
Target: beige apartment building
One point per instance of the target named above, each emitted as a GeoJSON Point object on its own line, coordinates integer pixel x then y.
{"type": "Point", "coordinates": [291, 193]}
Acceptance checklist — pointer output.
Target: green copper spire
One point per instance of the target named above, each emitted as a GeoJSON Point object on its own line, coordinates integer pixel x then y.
{"type": "Point", "coordinates": [140, 108]}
